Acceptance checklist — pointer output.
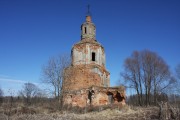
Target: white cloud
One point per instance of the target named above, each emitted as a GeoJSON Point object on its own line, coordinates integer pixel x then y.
{"type": "Point", "coordinates": [10, 80]}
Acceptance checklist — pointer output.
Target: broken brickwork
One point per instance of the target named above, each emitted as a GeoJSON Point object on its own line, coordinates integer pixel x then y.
{"type": "Point", "coordinates": [87, 81]}
{"type": "Point", "coordinates": [95, 96]}
{"type": "Point", "coordinates": [83, 76]}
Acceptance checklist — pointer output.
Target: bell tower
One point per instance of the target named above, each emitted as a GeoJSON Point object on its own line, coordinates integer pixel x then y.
{"type": "Point", "coordinates": [88, 60]}
{"type": "Point", "coordinates": [88, 50]}
{"type": "Point", "coordinates": [88, 29]}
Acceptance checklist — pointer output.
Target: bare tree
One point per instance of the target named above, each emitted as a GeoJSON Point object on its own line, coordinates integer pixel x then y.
{"type": "Point", "coordinates": [1, 92]}
{"type": "Point", "coordinates": [148, 73]}
{"type": "Point", "coordinates": [29, 91]}
{"type": "Point", "coordinates": [156, 74]}
{"type": "Point", "coordinates": [132, 74]}
{"type": "Point", "coordinates": [53, 73]}
{"type": "Point", "coordinates": [178, 78]}
{"type": "Point", "coordinates": [178, 71]}
{"type": "Point", "coordinates": [1, 96]}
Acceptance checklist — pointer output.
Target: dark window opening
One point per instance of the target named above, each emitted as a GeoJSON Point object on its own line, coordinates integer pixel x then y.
{"type": "Point", "coordinates": [110, 97]}
{"type": "Point", "coordinates": [85, 29]}
{"type": "Point", "coordinates": [91, 93]}
{"type": "Point", "coordinates": [119, 97]}
{"type": "Point", "coordinates": [93, 56]}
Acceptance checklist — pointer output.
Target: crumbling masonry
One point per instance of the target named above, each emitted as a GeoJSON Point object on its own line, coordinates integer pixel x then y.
{"type": "Point", "coordinates": [87, 82]}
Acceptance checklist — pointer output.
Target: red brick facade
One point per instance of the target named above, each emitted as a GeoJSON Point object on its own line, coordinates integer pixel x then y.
{"type": "Point", "coordinates": [86, 81]}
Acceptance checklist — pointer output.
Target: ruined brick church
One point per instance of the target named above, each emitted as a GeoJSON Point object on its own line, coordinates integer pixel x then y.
{"type": "Point", "coordinates": [87, 81]}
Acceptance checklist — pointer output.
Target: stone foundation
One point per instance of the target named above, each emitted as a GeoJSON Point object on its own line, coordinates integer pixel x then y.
{"type": "Point", "coordinates": [95, 96]}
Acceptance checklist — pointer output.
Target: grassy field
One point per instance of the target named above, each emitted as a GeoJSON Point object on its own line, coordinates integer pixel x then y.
{"type": "Point", "coordinates": [127, 113]}
{"type": "Point", "coordinates": [50, 111]}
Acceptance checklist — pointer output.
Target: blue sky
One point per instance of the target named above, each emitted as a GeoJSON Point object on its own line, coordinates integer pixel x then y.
{"type": "Point", "coordinates": [31, 31]}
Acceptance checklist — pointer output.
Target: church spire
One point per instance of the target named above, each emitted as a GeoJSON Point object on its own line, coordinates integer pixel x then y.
{"type": "Point", "coordinates": [88, 15]}
{"type": "Point", "coordinates": [88, 29]}
{"type": "Point", "coordinates": [88, 10]}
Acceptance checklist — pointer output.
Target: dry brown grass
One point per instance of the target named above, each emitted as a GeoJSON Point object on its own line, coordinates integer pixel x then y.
{"type": "Point", "coordinates": [19, 111]}
{"type": "Point", "coordinates": [125, 113]}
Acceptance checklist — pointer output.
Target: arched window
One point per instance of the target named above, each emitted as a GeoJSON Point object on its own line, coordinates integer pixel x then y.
{"type": "Point", "coordinates": [93, 56]}
{"type": "Point", "coordinates": [85, 30]}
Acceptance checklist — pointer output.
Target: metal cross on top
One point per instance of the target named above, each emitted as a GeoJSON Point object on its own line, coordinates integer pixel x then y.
{"type": "Point", "coordinates": [88, 12]}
